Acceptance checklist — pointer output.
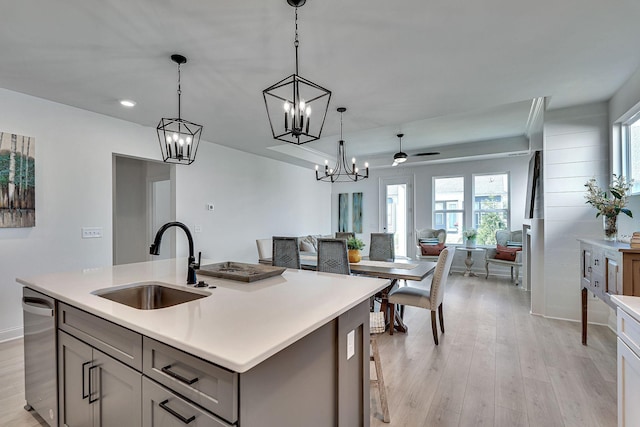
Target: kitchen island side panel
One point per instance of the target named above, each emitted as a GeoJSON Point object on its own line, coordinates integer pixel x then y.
{"type": "Point", "coordinates": [311, 382]}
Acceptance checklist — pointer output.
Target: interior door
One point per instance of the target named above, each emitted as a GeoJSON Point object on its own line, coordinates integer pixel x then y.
{"type": "Point", "coordinates": [396, 212]}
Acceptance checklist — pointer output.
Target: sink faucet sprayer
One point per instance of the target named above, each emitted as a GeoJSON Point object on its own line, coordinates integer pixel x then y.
{"type": "Point", "coordinates": [154, 249]}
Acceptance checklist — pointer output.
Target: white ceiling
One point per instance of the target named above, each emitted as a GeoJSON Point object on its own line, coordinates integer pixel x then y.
{"type": "Point", "coordinates": [442, 72]}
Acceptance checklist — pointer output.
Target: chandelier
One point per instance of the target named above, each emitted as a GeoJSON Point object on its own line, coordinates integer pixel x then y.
{"type": "Point", "coordinates": [341, 172]}
{"type": "Point", "coordinates": [291, 101]}
{"type": "Point", "coordinates": [178, 138]}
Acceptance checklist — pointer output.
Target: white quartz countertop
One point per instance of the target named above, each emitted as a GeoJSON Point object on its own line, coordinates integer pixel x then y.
{"type": "Point", "coordinates": [238, 326]}
{"type": "Point", "coordinates": [631, 305]}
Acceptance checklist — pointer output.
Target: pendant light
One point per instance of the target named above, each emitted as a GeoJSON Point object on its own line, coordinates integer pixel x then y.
{"type": "Point", "coordinates": [400, 156]}
{"type": "Point", "coordinates": [291, 102]}
{"type": "Point", "coordinates": [341, 172]}
{"type": "Point", "coordinates": [178, 138]}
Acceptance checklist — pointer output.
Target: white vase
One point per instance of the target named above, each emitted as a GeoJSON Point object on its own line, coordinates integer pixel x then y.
{"type": "Point", "coordinates": [471, 243]}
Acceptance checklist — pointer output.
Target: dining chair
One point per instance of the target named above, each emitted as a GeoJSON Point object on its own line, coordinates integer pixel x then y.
{"type": "Point", "coordinates": [345, 235]}
{"type": "Point", "coordinates": [286, 252]}
{"type": "Point", "coordinates": [431, 298]}
{"type": "Point", "coordinates": [381, 247]}
{"type": "Point", "coordinates": [333, 256]}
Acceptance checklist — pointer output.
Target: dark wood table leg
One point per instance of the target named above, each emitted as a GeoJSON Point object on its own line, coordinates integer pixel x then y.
{"type": "Point", "coordinates": [584, 316]}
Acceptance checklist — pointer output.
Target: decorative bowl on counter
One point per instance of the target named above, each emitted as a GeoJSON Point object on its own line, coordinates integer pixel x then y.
{"type": "Point", "coordinates": [241, 272]}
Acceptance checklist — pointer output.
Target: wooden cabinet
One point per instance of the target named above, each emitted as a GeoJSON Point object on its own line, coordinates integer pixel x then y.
{"type": "Point", "coordinates": [607, 268]}
{"type": "Point", "coordinates": [95, 389]}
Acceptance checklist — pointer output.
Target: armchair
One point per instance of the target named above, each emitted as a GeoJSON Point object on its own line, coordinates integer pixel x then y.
{"type": "Point", "coordinates": [508, 252]}
{"type": "Point", "coordinates": [430, 234]}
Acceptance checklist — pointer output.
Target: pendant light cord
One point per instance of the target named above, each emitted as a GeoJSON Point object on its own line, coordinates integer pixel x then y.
{"type": "Point", "coordinates": [296, 43]}
{"type": "Point", "coordinates": [179, 92]}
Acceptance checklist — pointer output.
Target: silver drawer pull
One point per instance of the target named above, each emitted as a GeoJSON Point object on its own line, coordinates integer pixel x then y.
{"type": "Point", "coordinates": [164, 406]}
{"type": "Point", "coordinates": [167, 370]}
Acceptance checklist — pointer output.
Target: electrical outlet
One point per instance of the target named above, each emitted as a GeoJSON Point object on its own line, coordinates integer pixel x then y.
{"type": "Point", "coordinates": [209, 206]}
{"type": "Point", "coordinates": [351, 344]}
{"type": "Point", "coordinates": [92, 232]}
{"type": "Point", "coordinates": [197, 228]}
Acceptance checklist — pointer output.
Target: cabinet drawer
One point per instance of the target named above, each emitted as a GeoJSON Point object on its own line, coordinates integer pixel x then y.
{"type": "Point", "coordinates": [162, 408]}
{"type": "Point", "coordinates": [596, 285]}
{"type": "Point", "coordinates": [629, 330]}
{"type": "Point", "coordinates": [204, 383]}
{"type": "Point", "coordinates": [120, 343]}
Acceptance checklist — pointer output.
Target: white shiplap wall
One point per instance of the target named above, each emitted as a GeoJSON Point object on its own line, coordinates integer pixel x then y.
{"type": "Point", "coordinates": [576, 147]}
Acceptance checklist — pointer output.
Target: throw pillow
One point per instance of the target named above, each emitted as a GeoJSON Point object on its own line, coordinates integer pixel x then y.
{"type": "Point", "coordinates": [514, 244]}
{"type": "Point", "coordinates": [430, 240]}
{"type": "Point", "coordinates": [507, 253]}
{"type": "Point", "coordinates": [431, 250]}
{"type": "Point", "coordinates": [306, 247]}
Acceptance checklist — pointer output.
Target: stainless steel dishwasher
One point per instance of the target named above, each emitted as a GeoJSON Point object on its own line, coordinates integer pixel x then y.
{"type": "Point", "coordinates": [40, 373]}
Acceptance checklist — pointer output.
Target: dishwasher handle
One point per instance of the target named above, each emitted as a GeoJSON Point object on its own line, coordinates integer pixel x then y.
{"type": "Point", "coordinates": [37, 306]}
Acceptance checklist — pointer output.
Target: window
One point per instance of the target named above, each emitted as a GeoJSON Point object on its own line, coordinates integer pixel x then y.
{"type": "Point", "coordinates": [631, 139]}
{"type": "Point", "coordinates": [490, 206]}
{"type": "Point", "coordinates": [448, 207]}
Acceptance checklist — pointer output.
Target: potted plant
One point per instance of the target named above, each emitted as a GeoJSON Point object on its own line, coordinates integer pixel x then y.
{"type": "Point", "coordinates": [354, 245]}
{"type": "Point", "coordinates": [470, 234]}
{"type": "Point", "coordinates": [610, 207]}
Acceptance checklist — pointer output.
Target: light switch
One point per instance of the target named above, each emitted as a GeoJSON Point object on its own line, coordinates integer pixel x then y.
{"type": "Point", "coordinates": [351, 344]}
{"type": "Point", "coordinates": [91, 232]}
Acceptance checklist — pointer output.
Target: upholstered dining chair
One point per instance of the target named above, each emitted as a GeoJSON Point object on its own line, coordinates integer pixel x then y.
{"type": "Point", "coordinates": [345, 235]}
{"type": "Point", "coordinates": [333, 256]}
{"type": "Point", "coordinates": [286, 252]}
{"type": "Point", "coordinates": [431, 298]}
{"type": "Point", "coordinates": [381, 247]}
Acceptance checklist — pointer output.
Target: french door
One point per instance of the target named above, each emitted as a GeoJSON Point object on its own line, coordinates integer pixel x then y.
{"type": "Point", "coordinates": [396, 213]}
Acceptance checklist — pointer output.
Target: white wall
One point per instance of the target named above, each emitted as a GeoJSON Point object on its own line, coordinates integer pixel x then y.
{"type": "Point", "coordinates": [254, 197]}
{"type": "Point", "coordinates": [517, 167]}
{"type": "Point", "coordinates": [576, 148]}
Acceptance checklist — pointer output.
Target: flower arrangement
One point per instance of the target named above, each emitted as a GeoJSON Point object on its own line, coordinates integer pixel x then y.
{"type": "Point", "coordinates": [609, 206]}
{"type": "Point", "coordinates": [355, 243]}
{"type": "Point", "coordinates": [470, 233]}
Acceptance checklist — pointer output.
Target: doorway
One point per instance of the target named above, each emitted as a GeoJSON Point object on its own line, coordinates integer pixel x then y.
{"type": "Point", "coordinates": [143, 200]}
{"type": "Point", "coordinates": [396, 212]}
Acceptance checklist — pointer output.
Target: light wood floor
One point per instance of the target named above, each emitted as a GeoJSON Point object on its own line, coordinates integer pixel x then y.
{"type": "Point", "coordinates": [496, 365]}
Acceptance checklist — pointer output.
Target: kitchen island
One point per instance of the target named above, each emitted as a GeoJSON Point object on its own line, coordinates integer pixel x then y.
{"type": "Point", "coordinates": [287, 350]}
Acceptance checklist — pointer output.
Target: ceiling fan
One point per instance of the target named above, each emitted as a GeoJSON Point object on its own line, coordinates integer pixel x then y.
{"type": "Point", "coordinates": [401, 156]}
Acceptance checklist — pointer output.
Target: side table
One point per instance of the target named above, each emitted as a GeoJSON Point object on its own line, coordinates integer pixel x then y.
{"type": "Point", "coordinates": [469, 259]}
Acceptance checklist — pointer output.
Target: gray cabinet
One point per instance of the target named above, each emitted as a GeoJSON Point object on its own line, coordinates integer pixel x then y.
{"type": "Point", "coordinates": [74, 407]}
{"type": "Point", "coordinates": [95, 389]}
{"type": "Point", "coordinates": [208, 385]}
{"type": "Point", "coordinates": [163, 408]}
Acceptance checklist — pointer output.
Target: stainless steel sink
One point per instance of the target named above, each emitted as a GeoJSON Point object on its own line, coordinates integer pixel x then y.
{"type": "Point", "coordinates": [150, 295]}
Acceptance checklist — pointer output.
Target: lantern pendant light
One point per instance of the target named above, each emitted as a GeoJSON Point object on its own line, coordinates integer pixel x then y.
{"type": "Point", "coordinates": [179, 139]}
{"type": "Point", "coordinates": [291, 102]}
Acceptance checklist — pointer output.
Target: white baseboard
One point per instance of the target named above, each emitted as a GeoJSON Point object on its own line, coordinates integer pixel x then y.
{"type": "Point", "coordinates": [11, 334]}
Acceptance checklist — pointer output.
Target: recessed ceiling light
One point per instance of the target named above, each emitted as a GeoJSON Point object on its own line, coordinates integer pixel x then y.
{"type": "Point", "coordinates": [128, 103]}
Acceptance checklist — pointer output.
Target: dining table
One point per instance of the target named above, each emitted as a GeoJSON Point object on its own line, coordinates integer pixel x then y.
{"type": "Point", "coordinates": [394, 270]}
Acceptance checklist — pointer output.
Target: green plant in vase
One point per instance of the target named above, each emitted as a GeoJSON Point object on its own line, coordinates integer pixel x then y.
{"type": "Point", "coordinates": [470, 234]}
{"type": "Point", "coordinates": [354, 245]}
{"type": "Point", "coordinates": [610, 206]}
